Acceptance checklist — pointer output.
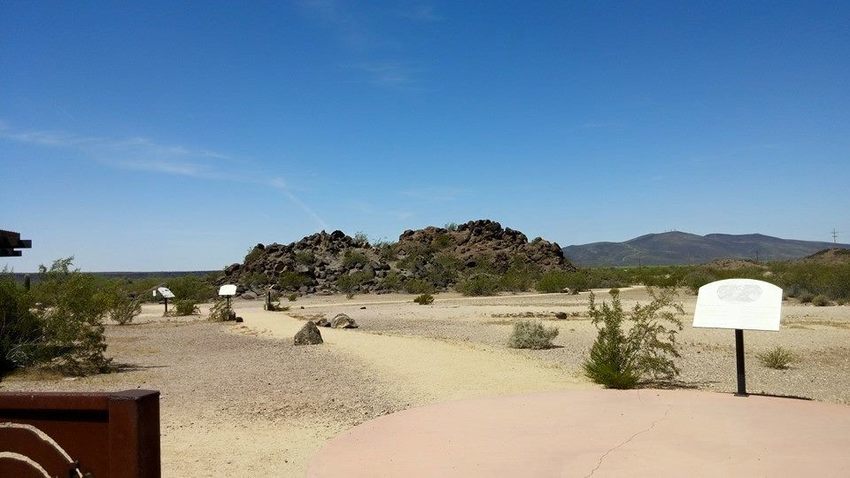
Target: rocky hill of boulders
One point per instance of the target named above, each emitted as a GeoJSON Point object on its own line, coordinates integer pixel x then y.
{"type": "Point", "coordinates": [433, 258]}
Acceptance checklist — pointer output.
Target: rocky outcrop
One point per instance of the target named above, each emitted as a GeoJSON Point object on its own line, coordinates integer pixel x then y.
{"type": "Point", "coordinates": [334, 262]}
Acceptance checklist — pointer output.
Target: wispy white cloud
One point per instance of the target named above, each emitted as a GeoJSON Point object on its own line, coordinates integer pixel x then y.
{"type": "Point", "coordinates": [359, 32]}
{"type": "Point", "coordinates": [142, 154]}
{"type": "Point", "coordinates": [389, 74]}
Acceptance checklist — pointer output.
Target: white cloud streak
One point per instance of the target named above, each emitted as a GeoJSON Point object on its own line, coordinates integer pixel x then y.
{"type": "Point", "coordinates": [142, 154]}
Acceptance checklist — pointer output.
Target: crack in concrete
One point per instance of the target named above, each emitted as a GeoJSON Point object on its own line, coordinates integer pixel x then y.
{"type": "Point", "coordinates": [626, 442]}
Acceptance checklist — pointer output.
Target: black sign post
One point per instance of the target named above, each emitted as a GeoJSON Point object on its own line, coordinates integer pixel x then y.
{"type": "Point", "coordinates": [739, 355]}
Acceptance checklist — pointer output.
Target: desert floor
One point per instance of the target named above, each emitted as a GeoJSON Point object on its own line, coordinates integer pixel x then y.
{"type": "Point", "coordinates": [242, 400]}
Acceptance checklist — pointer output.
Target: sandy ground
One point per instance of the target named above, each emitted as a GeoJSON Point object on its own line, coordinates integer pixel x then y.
{"type": "Point", "coordinates": [241, 400]}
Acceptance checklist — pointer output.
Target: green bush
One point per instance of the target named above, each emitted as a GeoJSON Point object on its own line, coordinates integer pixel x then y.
{"type": "Point", "coordinates": [392, 281]}
{"type": "Point", "coordinates": [519, 277]}
{"type": "Point", "coordinates": [306, 258]}
{"type": "Point", "coordinates": [698, 278]}
{"type": "Point", "coordinates": [254, 253]}
{"type": "Point", "coordinates": [183, 307]}
{"type": "Point", "coordinates": [192, 287]}
{"type": "Point", "coordinates": [72, 309]}
{"type": "Point", "coordinates": [820, 300]}
{"type": "Point", "coordinates": [777, 358]}
{"type": "Point", "coordinates": [805, 297]}
{"type": "Point", "coordinates": [479, 285]}
{"type": "Point", "coordinates": [424, 299]}
{"type": "Point", "coordinates": [20, 328]}
{"type": "Point", "coordinates": [123, 309]}
{"type": "Point", "coordinates": [220, 312]}
{"type": "Point", "coordinates": [621, 359]}
{"type": "Point", "coordinates": [418, 286]}
{"type": "Point", "coordinates": [350, 283]}
{"type": "Point", "coordinates": [292, 297]}
{"type": "Point", "coordinates": [292, 280]}
{"type": "Point", "coordinates": [351, 259]}
{"type": "Point", "coordinates": [528, 334]}
{"type": "Point", "coordinates": [554, 282]}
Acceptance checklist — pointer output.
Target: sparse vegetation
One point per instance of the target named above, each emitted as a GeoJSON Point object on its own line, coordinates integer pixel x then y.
{"type": "Point", "coordinates": [529, 334]}
{"type": "Point", "coordinates": [292, 297]}
{"type": "Point", "coordinates": [123, 308]}
{"type": "Point", "coordinates": [479, 285]}
{"type": "Point", "coordinates": [70, 318]}
{"type": "Point", "coordinates": [621, 358]}
{"type": "Point", "coordinates": [778, 358]}
{"type": "Point", "coordinates": [183, 307]}
{"type": "Point", "coordinates": [220, 312]}
{"type": "Point", "coordinates": [418, 286]}
{"type": "Point", "coordinates": [292, 280]}
{"type": "Point", "coordinates": [820, 300]}
{"type": "Point", "coordinates": [424, 299]}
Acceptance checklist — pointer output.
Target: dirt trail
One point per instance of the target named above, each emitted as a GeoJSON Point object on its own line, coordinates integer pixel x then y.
{"type": "Point", "coordinates": [428, 370]}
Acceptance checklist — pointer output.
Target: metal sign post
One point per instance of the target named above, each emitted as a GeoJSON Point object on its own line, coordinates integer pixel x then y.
{"type": "Point", "coordinates": [166, 294]}
{"type": "Point", "coordinates": [227, 291]}
{"type": "Point", "coordinates": [739, 304]}
{"type": "Point", "coordinates": [739, 358]}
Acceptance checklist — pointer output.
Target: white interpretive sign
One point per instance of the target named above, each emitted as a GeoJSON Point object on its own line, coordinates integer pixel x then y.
{"type": "Point", "coordinates": [164, 292]}
{"type": "Point", "coordinates": [227, 290]}
{"type": "Point", "coordinates": [744, 304]}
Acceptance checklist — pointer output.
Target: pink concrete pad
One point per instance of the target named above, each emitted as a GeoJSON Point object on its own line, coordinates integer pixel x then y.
{"type": "Point", "coordinates": [600, 433]}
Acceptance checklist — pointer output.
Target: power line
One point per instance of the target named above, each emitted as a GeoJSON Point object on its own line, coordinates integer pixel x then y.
{"type": "Point", "coordinates": [834, 235]}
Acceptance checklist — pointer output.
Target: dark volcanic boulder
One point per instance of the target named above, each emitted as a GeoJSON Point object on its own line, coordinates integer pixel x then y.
{"type": "Point", "coordinates": [308, 335]}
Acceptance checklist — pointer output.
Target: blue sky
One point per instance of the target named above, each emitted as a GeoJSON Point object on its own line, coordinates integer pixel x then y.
{"type": "Point", "coordinates": [174, 135]}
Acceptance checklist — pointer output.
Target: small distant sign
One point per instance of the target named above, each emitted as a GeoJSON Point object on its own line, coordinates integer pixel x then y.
{"type": "Point", "coordinates": [163, 292]}
{"type": "Point", "coordinates": [744, 304]}
{"type": "Point", "coordinates": [227, 290]}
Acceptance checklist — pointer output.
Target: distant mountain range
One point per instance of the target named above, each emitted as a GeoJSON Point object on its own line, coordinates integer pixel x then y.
{"type": "Point", "coordinates": [675, 247]}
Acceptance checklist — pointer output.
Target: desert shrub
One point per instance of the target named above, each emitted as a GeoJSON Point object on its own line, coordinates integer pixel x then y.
{"type": "Point", "coordinates": [443, 270]}
{"type": "Point", "coordinates": [621, 359]}
{"type": "Point", "coordinates": [452, 226]}
{"type": "Point", "coordinates": [73, 306]}
{"type": "Point", "coordinates": [696, 279]}
{"type": "Point", "coordinates": [123, 308]}
{"type": "Point", "coordinates": [254, 253]}
{"type": "Point", "coordinates": [305, 257]}
{"type": "Point", "coordinates": [805, 297]}
{"type": "Point", "coordinates": [778, 358]}
{"type": "Point", "coordinates": [192, 287]}
{"type": "Point", "coordinates": [184, 307]}
{"type": "Point", "coordinates": [424, 299]}
{"type": "Point", "coordinates": [557, 281]}
{"type": "Point", "coordinates": [220, 312]}
{"type": "Point", "coordinates": [561, 315]}
{"type": "Point", "coordinates": [354, 258]}
{"type": "Point", "coordinates": [292, 280]}
{"type": "Point", "coordinates": [820, 300]}
{"type": "Point", "coordinates": [528, 334]}
{"type": "Point", "coordinates": [361, 238]}
{"type": "Point", "coordinates": [479, 285]}
{"type": "Point", "coordinates": [292, 297]}
{"type": "Point", "coordinates": [519, 277]}
{"type": "Point", "coordinates": [350, 283]}
{"type": "Point", "coordinates": [442, 241]}
{"type": "Point", "coordinates": [20, 328]}
{"type": "Point", "coordinates": [418, 286]}
{"type": "Point", "coordinates": [392, 281]}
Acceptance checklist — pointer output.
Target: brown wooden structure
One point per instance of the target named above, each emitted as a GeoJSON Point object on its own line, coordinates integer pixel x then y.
{"type": "Point", "coordinates": [9, 241]}
{"type": "Point", "coordinates": [98, 435]}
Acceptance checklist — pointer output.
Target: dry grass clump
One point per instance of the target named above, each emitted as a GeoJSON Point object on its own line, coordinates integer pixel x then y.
{"type": "Point", "coordinates": [531, 335]}
{"type": "Point", "coordinates": [778, 358]}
